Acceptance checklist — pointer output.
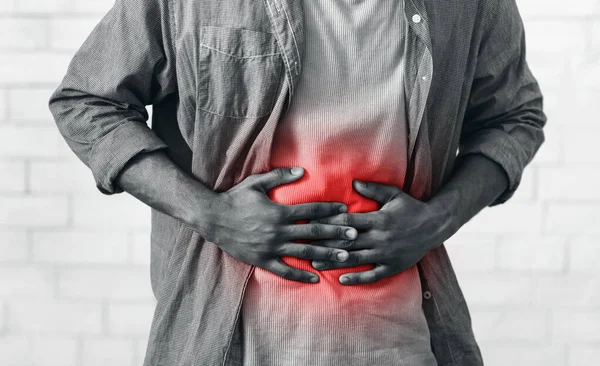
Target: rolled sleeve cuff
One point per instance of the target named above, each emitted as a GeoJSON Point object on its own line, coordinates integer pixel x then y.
{"type": "Point", "coordinates": [110, 154]}
{"type": "Point", "coordinates": [498, 146]}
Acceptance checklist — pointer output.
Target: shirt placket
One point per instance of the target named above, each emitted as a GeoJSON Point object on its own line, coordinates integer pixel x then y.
{"type": "Point", "coordinates": [419, 68]}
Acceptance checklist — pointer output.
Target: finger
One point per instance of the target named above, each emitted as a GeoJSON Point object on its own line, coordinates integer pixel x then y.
{"type": "Point", "coordinates": [317, 231]}
{"type": "Point", "coordinates": [314, 210]}
{"type": "Point", "coordinates": [358, 220]}
{"type": "Point", "coordinates": [381, 193]}
{"type": "Point", "coordinates": [355, 258]}
{"type": "Point", "coordinates": [309, 251]}
{"type": "Point", "coordinates": [281, 269]}
{"type": "Point", "coordinates": [366, 240]}
{"type": "Point", "coordinates": [266, 181]}
{"type": "Point", "coordinates": [356, 278]}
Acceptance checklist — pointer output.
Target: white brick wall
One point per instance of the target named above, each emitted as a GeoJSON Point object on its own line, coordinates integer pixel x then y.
{"type": "Point", "coordinates": [530, 269]}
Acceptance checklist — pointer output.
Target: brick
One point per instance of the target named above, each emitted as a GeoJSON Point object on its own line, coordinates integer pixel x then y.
{"type": "Point", "coordinates": [130, 319]}
{"type": "Point", "coordinates": [54, 351]}
{"type": "Point", "coordinates": [70, 33]}
{"type": "Point", "coordinates": [7, 6]}
{"type": "Point", "coordinates": [13, 176]}
{"type": "Point", "coordinates": [573, 182]}
{"type": "Point", "coordinates": [572, 291]}
{"type": "Point", "coordinates": [532, 252]}
{"type": "Point", "coordinates": [32, 141]}
{"type": "Point", "coordinates": [115, 212]}
{"type": "Point", "coordinates": [15, 350]}
{"type": "Point", "coordinates": [80, 246]}
{"type": "Point", "coordinates": [572, 218]}
{"type": "Point", "coordinates": [510, 217]}
{"type": "Point", "coordinates": [584, 255]}
{"type": "Point", "coordinates": [25, 67]}
{"type": "Point", "coordinates": [92, 6]}
{"type": "Point", "coordinates": [582, 111]}
{"type": "Point", "coordinates": [510, 325]}
{"type": "Point", "coordinates": [526, 191]}
{"type": "Point", "coordinates": [550, 72]}
{"type": "Point", "coordinates": [471, 253]}
{"type": "Point", "coordinates": [140, 248]}
{"type": "Point", "coordinates": [582, 355]}
{"type": "Point", "coordinates": [101, 352]}
{"type": "Point", "coordinates": [502, 354]}
{"type": "Point", "coordinates": [554, 36]}
{"type": "Point", "coordinates": [23, 33]}
{"type": "Point", "coordinates": [498, 289]}
{"type": "Point", "coordinates": [30, 104]}
{"type": "Point", "coordinates": [13, 246]}
{"type": "Point", "coordinates": [594, 40]}
{"type": "Point", "coordinates": [46, 6]}
{"type": "Point", "coordinates": [587, 65]}
{"type": "Point", "coordinates": [26, 282]}
{"type": "Point", "coordinates": [578, 145]}
{"type": "Point", "coordinates": [55, 317]}
{"type": "Point", "coordinates": [551, 150]}
{"type": "Point", "coordinates": [108, 283]}
{"type": "Point", "coordinates": [4, 110]}
{"type": "Point", "coordinates": [576, 326]}
{"type": "Point", "coordinates": [69, 176]}
{"type": "Point", "coordinates": [33, 210]}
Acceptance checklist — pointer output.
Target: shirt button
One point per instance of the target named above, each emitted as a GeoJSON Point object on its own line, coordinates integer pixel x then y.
{"type": "Point", "coordinates": [427, 295]}
{"type": "Point", "coordinates": [416, 18]}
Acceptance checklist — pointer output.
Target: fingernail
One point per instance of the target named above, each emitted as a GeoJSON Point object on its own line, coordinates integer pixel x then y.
{"type": "Point", "coordinates": [297, 171]}
{"type": "Point", "coordinates": [314, 279]}
{"type": "Point", "coordinates": [351, 233]}
{"type": "Point", "coordinates": [342, 256]}
{"type": "Point", "coordinates": [343, 208]}
{"type": "Point", "coordinates": [344, 279]}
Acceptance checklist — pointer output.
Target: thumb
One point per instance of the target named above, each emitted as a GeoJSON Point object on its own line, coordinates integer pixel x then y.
{"type": "Point", "coordinates": [382, 193]}
{"type": "Point", "coordinates": [276, 177]}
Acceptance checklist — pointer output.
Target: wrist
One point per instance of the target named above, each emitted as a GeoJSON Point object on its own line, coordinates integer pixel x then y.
{"type": "Point", "coordinates": [445, 210]}
{"type": "Point", "coordinates": [198, 206]}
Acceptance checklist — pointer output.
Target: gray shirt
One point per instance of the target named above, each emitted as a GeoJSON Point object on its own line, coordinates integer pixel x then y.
{"type": "Point", "coordinates": [467, 85]}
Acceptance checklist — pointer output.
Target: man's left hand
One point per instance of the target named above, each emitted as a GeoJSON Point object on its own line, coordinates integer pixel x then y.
{"type": "Point", "coordinates": [394, 238]}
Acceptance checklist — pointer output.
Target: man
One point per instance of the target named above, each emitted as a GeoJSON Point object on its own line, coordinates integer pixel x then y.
{"type": "Point", "coordinates": [431, 104]}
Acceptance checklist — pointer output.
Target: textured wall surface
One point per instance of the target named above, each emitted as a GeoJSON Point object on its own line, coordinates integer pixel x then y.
{"type": "Point", "coordinates": [530, 268]}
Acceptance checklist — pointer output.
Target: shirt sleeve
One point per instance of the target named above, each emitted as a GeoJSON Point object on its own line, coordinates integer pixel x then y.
{"type": "Point", "coordinates": [504, 118]}
{"type": "Point", "coordinates": [125, 63]}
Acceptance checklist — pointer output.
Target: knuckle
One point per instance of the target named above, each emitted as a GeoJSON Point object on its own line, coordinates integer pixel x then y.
{"type": "Point", "coordinates": [353, 259]}
{"type": "Point", "coordinates": [287, 274]}
{"type": "Point", "coordinates": [271, 234]}
{"type": "Point", "coordinates": [345, 219]}
{"type": "Point", "coordinates": [384, 220]}
{"type": "Point", "coordinates": [370, 277]}
{"type": "Point", "coordinates": [315, 230]}
{"type": "Point", "coordinates": [278, 173]}
{"type": "Point", "coordinates": [306, 251]}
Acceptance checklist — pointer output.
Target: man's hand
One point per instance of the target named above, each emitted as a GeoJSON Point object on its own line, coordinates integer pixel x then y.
{"type": "Point", "coordinates": [246, 224]}
{"type": "Point", "coordinates": [394, 238]}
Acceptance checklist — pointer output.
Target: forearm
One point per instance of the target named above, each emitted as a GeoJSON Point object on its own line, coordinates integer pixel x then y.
{"type": "Point", "coordinates": [157, 181]}
{"type": "Point", "coordinates": [476, 182]}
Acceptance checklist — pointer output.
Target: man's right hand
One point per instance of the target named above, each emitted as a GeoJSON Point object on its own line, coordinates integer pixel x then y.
{"type": "Point", "coordinates": [246, 224]}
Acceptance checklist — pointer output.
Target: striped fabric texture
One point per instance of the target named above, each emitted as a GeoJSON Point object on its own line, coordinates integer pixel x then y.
{"type": "Point", "coordinates": [221, 75]}
{"type": "Point", "coordinates": [347, 121]}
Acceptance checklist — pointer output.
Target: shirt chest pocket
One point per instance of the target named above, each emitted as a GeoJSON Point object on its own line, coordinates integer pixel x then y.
{"type": "Point", "coordinates": [239, 71]}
